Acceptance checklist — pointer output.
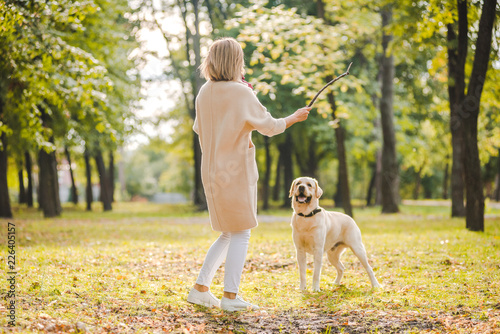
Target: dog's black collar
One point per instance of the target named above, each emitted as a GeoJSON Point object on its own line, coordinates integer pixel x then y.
{"type": "Point", "coordinates": [312, 213]}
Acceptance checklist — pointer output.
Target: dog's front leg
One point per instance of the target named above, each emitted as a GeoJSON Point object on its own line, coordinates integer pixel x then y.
{"type": "Point", "coordinates": [302, 261]}
{"type": "Point", "coordinates": [318, 261]}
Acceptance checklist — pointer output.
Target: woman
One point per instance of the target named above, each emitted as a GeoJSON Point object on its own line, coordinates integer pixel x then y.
{"type": "Point", "coordinates": [227, 111]}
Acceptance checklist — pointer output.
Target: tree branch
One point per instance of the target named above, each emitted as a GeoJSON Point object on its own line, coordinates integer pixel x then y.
{"type": "Point", "coordinates": [183, 8]}
{"type": "Point", "coordinates": [175, 65]}
{"type": "Point", "coordinates": [483, 48]}
{"type": "Point", "coordinates": [328, 84]}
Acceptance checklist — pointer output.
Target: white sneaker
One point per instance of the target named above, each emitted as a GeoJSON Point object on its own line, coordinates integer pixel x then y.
{"type": "Point", "coordinates": [238, 304]}
{"type": "Point", "coordinates": [203, 298]}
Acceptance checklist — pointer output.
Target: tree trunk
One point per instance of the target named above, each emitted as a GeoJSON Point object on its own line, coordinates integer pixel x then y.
{"type": "Point", "coordinates": [320, 9]}
{"type": "Point", "coordinates": [474, 210]}
{"type": "Point", "coordinates": [427, 187]}
{"type": "Point", "coordinates": [74, 191]}
{"type": "Point", "coordinates": [371, 185]}
{"type": "Point", "coordinates": [337, 198]}
{"type": "Point", "coordinates": [378, 136]}
{"type": "Point", "coordinates": [111, 176]}
{"type": "Point", "coordinates": [22, 190]}
{"type": "Point", "coordinates": [197, 46]}
{"type": "Point", "coordinates": [103, 181]}
{"type": "Point", "coordinates": [341, 155]}
{"type": "Point", "coordinates": [488, 174]}
{"type": "Point", "coordinates": [496, 194]}
{"type": "Point", "coordinates": [313, 160]}
{"type": "Point", "coordinates": [5, 209]}
{"type": "Point", "coordinates": [88, 189]}
{"type": "Point", "coordinates": [342, 196]}
{"type": "Point", "coordinates": [445, 178]}
{"type": "Point", "coordinates": [286, 150]}
{"type": "Point", "coordinates": [457, 173]}
{"type": "Point", "coordinates": [29, 171]}
{"type": "Point", "coordinates": [199, 194]}
{"type": "Point", "coordinates": [195, 81]}
{"type": "Point", "coordinates": [378, 179]}
{"type": "Point", "coordinates": [456, 86]}
{"type": "Point", "coordinates": [267, 175]}
{"type": "Point", "coordinates": [121, 176]}
{"type": "Point", "coordinates": [277, 179]}
{"type": "Point", "coordinates": [390, 175]}
{"type": "Point", "coordinates": [343, 181]}
{"type": "Point", "coordinates": [49, 184]}
{"type": "Point", "coordinates": [418, 182]}
{"type": "Point", "coordinates": [39, 194]}
{"type": "Point", "coordinates": [48, 181]}
{"type": "Point", "coordinates": [308, 166]}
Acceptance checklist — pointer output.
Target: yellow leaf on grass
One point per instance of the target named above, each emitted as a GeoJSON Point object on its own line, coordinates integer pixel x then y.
{"type": "Point", "coordinates": [275, 53]}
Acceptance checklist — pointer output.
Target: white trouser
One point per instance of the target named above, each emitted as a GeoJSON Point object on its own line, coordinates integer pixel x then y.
{"type": "Point", "coordinates": [233, 247]}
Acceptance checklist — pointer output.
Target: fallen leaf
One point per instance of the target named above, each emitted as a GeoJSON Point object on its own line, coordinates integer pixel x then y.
{"type": "Point", "coordinates": [44, 316]}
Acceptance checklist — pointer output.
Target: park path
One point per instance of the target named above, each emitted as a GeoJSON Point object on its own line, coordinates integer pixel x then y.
{"type": "Point", "coordinates": [428, 202]}
{"type": "Point", "coordinates": [262, 219]}
{"type": "Point", "coordinates": [202, 220]}
{"type": "Point", "coordinates": [286, 218]}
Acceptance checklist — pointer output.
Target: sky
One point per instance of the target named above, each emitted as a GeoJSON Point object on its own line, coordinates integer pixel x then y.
{"type": "Point", "coordinates": [158, 93]}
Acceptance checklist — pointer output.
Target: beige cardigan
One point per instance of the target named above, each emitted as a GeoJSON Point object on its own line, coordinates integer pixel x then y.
{"type": "Point", "coordinates": [226, 114]}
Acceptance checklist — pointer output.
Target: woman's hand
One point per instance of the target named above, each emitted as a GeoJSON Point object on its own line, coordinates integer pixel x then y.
{"type": "Point", "coordinates": [302, 113]}
{"type": "Point", "coordinates": [299, 116]}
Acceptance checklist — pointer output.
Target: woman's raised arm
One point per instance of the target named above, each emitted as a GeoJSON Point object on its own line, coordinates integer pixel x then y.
{"type": "Point", "coordinates": [298, 116]}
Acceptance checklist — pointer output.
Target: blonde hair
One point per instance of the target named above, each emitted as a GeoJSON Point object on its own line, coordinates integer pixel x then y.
{"type": "Point", "coordinates": [224, 62]}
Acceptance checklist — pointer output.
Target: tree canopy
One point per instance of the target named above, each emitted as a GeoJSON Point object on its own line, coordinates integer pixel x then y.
{"type": "Point", "coordinates": [68, 79]}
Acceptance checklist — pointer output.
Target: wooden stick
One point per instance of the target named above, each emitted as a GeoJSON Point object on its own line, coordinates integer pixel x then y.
{"type": "Point", "coordinates": [328, 84]}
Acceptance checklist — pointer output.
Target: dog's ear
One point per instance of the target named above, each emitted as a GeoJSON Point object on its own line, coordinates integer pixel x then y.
{"type": "Point", "coordinates": [290, 194]}
{"type": "Point", "coordinates": [319, 191]}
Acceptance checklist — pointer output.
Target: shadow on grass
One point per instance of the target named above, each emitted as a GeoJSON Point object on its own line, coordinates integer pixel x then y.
{"type": "Point", "coordinates": [307, 319]}
{"type": "Point", "coordinates": [338, 292]}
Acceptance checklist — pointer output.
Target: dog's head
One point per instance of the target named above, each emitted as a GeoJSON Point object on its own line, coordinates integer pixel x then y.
{"type": "Point", "coordinates": [305, 193]}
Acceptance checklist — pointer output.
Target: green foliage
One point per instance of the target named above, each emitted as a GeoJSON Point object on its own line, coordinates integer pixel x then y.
{"type": "Point", "coordinates": [109, 37]}
{"type": "Point", "coordinates": [66, 72]}
{"type": "Point", "coordinates": [288, 48]}
{"type": "Point", "coordinates": [293, 55]}
{"type": "Point", "coordinates": [41, 71]}
{"type": "Point", "coordinates": [64, 67]}
{"type": "Point", "coordinates": [290, 53]}
{"type": "Point", "coordinates": [290, 57]}
{"type": "Point", "coordinates": [429, 34]}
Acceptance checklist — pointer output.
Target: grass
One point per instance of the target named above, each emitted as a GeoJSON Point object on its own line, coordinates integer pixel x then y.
{"type": "Point", "coordinates": [130, 271]}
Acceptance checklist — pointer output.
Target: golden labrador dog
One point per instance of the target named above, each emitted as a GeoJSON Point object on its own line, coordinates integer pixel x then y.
{"type": "Point", "coordinates": [316, 231]}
